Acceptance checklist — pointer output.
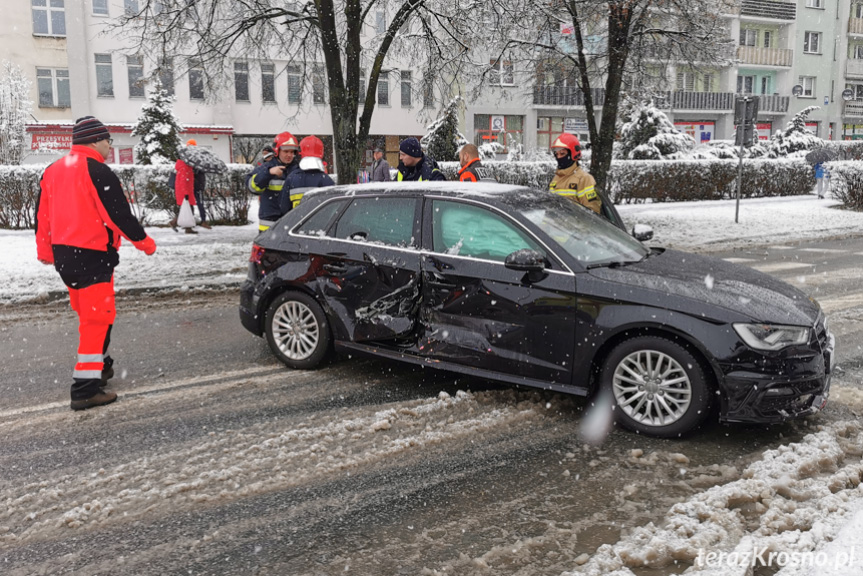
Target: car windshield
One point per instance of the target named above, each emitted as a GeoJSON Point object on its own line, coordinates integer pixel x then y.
{"type": "Point", "coordinates": [586, 237]}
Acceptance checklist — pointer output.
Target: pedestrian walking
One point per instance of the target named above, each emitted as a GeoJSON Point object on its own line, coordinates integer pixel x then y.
{"type": "Point", "coordinates": [472, 169]}
{"type": "Point", "coordinates": [189, 184]}
{"type": "Point", "coordinates": [822, 179]}
{"type": "Point", "coordinates": [414, 164]}
{"type": "Point", "coordinates": [268, 179]}
{"type": "Point", "coordinates": [570, 180]}
{"type": "Point", "coordinates": [380, 167]}
{"type": "Point", "coordinates": [81, 216]}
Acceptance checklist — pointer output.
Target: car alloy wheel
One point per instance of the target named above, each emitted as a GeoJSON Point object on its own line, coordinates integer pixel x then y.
{"type": "Point", "coordinates": [297, 331]}
{"type": "Point", "coordinates": [659, 387]}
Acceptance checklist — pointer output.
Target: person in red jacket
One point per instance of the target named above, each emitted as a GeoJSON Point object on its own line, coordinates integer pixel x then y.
{"type": "Point", "coordinates": [81, 216]}
{"type": "Point", "coordinates": [189, 184]}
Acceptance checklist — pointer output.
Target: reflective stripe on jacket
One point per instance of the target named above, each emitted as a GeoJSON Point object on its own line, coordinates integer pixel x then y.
{"type": "Point", "coordinates": [577, 185]}
{"type": "Point", "coordinates": [300, 182]}
{"type": "Point", "coordinates": [269, 188]}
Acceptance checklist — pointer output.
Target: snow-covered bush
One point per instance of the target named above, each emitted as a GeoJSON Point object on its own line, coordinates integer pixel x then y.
{"type": "Point", "coordinates": [158, 128]}
{"type": "Point", "coordinates": [490, 150]}
{"type": "Point", "coordinates": [443, 139]}
{"type": "Point", "coordinates": [534, 174]}
{"type": "Point", "coordinates": [226, 196]}
{"type": "Point", "coordinates": [795, 137]}
{"type": "Point", "coordinates": [648, 134]}
{"type": "Point", "coordinates": [15, 109]}
{"type": "Point", "coordinates": [640, 180]}
{"type": "Point", "coordinates": [846, 183]}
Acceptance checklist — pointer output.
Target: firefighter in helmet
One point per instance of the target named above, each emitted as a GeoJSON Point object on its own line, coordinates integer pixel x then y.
{"type": "Point", "coordinates": [569, 179]}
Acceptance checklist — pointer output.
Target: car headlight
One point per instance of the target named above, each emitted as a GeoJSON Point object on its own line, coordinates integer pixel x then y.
{"type": "Point", "coordinates": [771, 336]}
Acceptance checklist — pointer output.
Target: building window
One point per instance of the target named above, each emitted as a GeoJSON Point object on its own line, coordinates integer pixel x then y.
{"type": "Point", "coordinates": [49, 17]}
{"type": "Point", "coordinates": [745, 84]}
{"type": "Point", "coordinates": [548, 128]}
{"type": "Point", "coordinates": [196, 80]}
{"type": "Point", "coordinates": [685, 82]}
{"type": "Point", "coordinates": [858, 52]}
{"type": "Point", "coordinates": [406, 88]}
{"type": "Point", "coordinates": [812, 42]}
{"type": "Point", "coordinates": [319, 90]}
{"type": "Point", "coordinates": [384, 88]}
{"type": "Point", "coordinates": [53, 84]}
{"type": "Point", "coordinates": [130, 7]}
{"type": "Point", "coordinates": [708, 83]}
{"type": "Point", "coordinates": [428, 92]}
{"type": "Point", "coordinates": [501, 73]}
{"type": "Point", "coordinates": [857, 89]}
{"type": "Point", "coordinates": [295, 84]}
{"type": "Point", "coordinates": [765, 85]}
{"type": "Point", "coordinates": [748, 37]}
{"type": "Point", "coordinates": [768, 37]}
{"type": "Point", "coordinates": [241, 81]}
{"type": "Point", "coordinates": [808, 83]}
{"type": "Point", "coordinates": [166, 75]}
{"type": "Point", "coordinates": [506, 130]}
{"type": "Point", "coordinates": [100, 7]}
{"type": "Point", "coordinates": [135, 69]}
{"type": "Point", "coordinates": [815, 3]}
{"type": "Point", "coordinates": [380, 22]}
{"type": "Point", "coordinates": [858, 10]}
{"type": "Point", "coordinates": [104, 75]}
{"type": "Point", "coordinates": [268, 82]}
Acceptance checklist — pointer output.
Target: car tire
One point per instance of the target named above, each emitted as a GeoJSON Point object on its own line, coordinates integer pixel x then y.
{"type": "Point", "coordinates": [297, 330]}
{"type": "Point", "coordinates": [658, 387]}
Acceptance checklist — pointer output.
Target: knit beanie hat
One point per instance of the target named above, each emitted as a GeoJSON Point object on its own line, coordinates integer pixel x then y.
{"type": "Point", "coordinates": [411, 147]}
{"type": "Point", "coordinates": [88, 130]}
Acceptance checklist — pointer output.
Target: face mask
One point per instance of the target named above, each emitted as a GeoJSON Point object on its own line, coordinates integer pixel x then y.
{"type": "Point", "coordinates": [565, 162]}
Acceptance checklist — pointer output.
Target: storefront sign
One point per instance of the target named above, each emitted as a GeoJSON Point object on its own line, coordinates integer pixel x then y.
{"type": "Point", "coordinates": [701, 131]}
{"type": "Point", "coordinates": [126, 156]}
{"type": "Point", "coordinates": [51, 141]}
{"type": "Point", "coordinates": [764, 130]}
{"type": "Point", "coordinates": [575, 125]}
{"type": "Point", "coordinates": [812, 127]}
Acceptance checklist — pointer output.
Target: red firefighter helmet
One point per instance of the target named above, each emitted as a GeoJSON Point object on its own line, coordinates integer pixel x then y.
{"type": "Point", "coordinates": [570, 142]}
{"type": "Point", "coordinates": [286, 141]}
{"type": "Point", "coordinates": [312, 147]}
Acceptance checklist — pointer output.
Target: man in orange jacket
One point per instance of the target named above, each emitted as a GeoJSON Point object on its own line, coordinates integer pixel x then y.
{"type": "Point", "coordinates": [81, 215]}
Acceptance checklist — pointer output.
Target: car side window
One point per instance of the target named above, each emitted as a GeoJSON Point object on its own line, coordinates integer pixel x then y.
{"type": "Point", "coordinates": [388, 220]}
{"type": "Point", "coordinates": [319, 222]}
{"type": "Point", "coordinates": [476, 232]}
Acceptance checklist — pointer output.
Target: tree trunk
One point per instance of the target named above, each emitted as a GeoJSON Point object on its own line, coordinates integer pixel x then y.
{"type": "Point", "coordinates": [619, 18]}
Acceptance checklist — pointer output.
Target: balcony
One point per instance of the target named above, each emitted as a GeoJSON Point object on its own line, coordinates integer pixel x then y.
{"type": "Point", "coordinates": [565, 96]}
{"type": "Point", "coordinates": [773, 104]}
{"type": "Point", "coordinates": [723, 101]}
{"type": "Point", "coordinates": [765, 56]}
{"type": "Point", "coordinates": [853, 108]}
{"type": "Point", "coordinates": [769, 9]}
{"type": "Point", "coordinates": [854, 69]}
{"type": "Point", "coordinates": [855, 26]}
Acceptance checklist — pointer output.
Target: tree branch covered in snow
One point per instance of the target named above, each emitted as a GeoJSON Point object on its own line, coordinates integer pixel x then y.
{"type": "Point", "coordinates": [158, 128]}
{"type": "Point", "coordinates": [443, 140]}
{"type": "Point", "coordinates": [15, 110]}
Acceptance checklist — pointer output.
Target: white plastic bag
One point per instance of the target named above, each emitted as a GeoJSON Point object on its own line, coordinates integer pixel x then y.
{"type": "Point", "coordinates": [186, 219]}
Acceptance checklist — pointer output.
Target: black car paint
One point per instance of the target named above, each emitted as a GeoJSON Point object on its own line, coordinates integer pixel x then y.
{"type": "Point", "coordinates": [475, 316]}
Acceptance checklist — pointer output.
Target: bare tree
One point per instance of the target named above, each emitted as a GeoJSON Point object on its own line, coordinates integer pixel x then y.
{"type": "Point", "coordinates": [627, 44]}
{"type": "Point", "coordinates": [348, 36]}
{"type": "Point", "coordinates": [15, 108]}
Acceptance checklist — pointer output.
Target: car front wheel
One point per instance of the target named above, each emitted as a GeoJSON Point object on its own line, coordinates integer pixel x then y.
{"type": "Point", "coordinates": [297, 330]}
{"type": "Point", "coordinates": [659, 387]}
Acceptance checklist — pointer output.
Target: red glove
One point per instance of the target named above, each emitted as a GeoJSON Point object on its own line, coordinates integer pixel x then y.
{"type": "Point", "coordinates": [47, 261]}
{"type": "Point", "coordinates": [147, 246]}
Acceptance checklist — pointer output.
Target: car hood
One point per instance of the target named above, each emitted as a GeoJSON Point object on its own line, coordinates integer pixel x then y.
{"type": "Point", "coordinates": [715, 282]}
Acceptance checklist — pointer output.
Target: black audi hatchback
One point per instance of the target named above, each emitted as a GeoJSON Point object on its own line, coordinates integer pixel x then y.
{"type": "Point", "coordinates": [522, 286]}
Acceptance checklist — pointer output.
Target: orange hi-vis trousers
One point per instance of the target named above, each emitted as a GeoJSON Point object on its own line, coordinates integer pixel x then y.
{"type": "Point", "coordinates": [96, 312]}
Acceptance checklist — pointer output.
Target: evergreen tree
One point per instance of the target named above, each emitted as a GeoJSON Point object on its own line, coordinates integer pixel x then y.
{"type": "Point", "coordinates": [443, 139]}
{"type": "Point", "coordinates": [648, 134]}
{"type": "Point", "coordinates": [158, 128]}
{"type": "Point", "coordinates": [15, 108]}
{"type": "Point", "coordinates": [795, 137]}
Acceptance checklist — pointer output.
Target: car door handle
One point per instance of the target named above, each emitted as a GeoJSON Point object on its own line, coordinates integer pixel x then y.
{"type": "Point", "coordinates": [335, 268]}
{"type": "Point", "coordinates": [439, 281]}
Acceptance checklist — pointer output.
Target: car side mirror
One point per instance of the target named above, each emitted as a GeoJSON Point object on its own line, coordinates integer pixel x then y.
{"type": "Point", "coordinates": [642, 232]}
{"type": "Point", "coordinates": [525, 261]}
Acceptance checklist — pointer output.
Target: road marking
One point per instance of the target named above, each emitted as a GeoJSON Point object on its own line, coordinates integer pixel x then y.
{"type": "Point", "coordinates": [165, 385]}
{"type": "Point", "coordinates": [780, 247]}
{"type": "Point", "coordinates": [824, 250]}
{"type": "Point", "coordinates": [779, 266]}
{"type": "Point", "coordinates": [739, 260]}
{"type": "Point", "coordinates": [841, 303]}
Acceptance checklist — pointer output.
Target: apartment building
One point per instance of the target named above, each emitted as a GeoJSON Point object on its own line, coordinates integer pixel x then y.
{"type": "Point", "coordinates": [815, 45]}
{"type": "Point", "coordinates": [92, 72]}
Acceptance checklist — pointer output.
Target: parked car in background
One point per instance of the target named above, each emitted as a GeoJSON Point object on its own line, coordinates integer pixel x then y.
{"type": "Point", "coordinates": [521, 286]}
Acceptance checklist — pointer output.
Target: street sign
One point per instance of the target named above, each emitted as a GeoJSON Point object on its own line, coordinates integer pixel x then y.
{"type": "Point", "coordinates": [826, 100]}
{"type": "Point", "coordinates": [848, 94]}
{"type": "Point", "coordinates": [797, 90]}
{"type": "Point", "coordinates": [745, 114]}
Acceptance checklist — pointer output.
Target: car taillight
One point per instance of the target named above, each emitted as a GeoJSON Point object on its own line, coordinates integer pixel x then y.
{"type": "Point", "coordinates": [257, 254]}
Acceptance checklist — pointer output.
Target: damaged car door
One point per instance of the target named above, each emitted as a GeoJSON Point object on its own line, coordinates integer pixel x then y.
{"type": "Point", "coordinates": [370, 267]}
{"type": "Point", "coordinates": [481, 307]}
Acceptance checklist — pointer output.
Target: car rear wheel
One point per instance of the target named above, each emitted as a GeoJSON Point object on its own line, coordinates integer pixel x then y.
{"type": "Point", "coordinates": [297, 330]}
{"type": "Point", "coordinates": [659, 388]}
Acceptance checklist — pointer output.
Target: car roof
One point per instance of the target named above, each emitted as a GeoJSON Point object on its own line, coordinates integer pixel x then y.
{"type": "Point", "coordinates": [489, 191]}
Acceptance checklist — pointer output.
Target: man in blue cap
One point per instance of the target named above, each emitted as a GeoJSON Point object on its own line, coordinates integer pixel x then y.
{"type": "Point", "coordinates": [414, 165]}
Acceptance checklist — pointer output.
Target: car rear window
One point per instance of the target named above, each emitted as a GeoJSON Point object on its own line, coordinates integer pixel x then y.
{"type": "Point", "coordinates": [319, 222]}
{"type": "Point", "coordinates": [387, 220]}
